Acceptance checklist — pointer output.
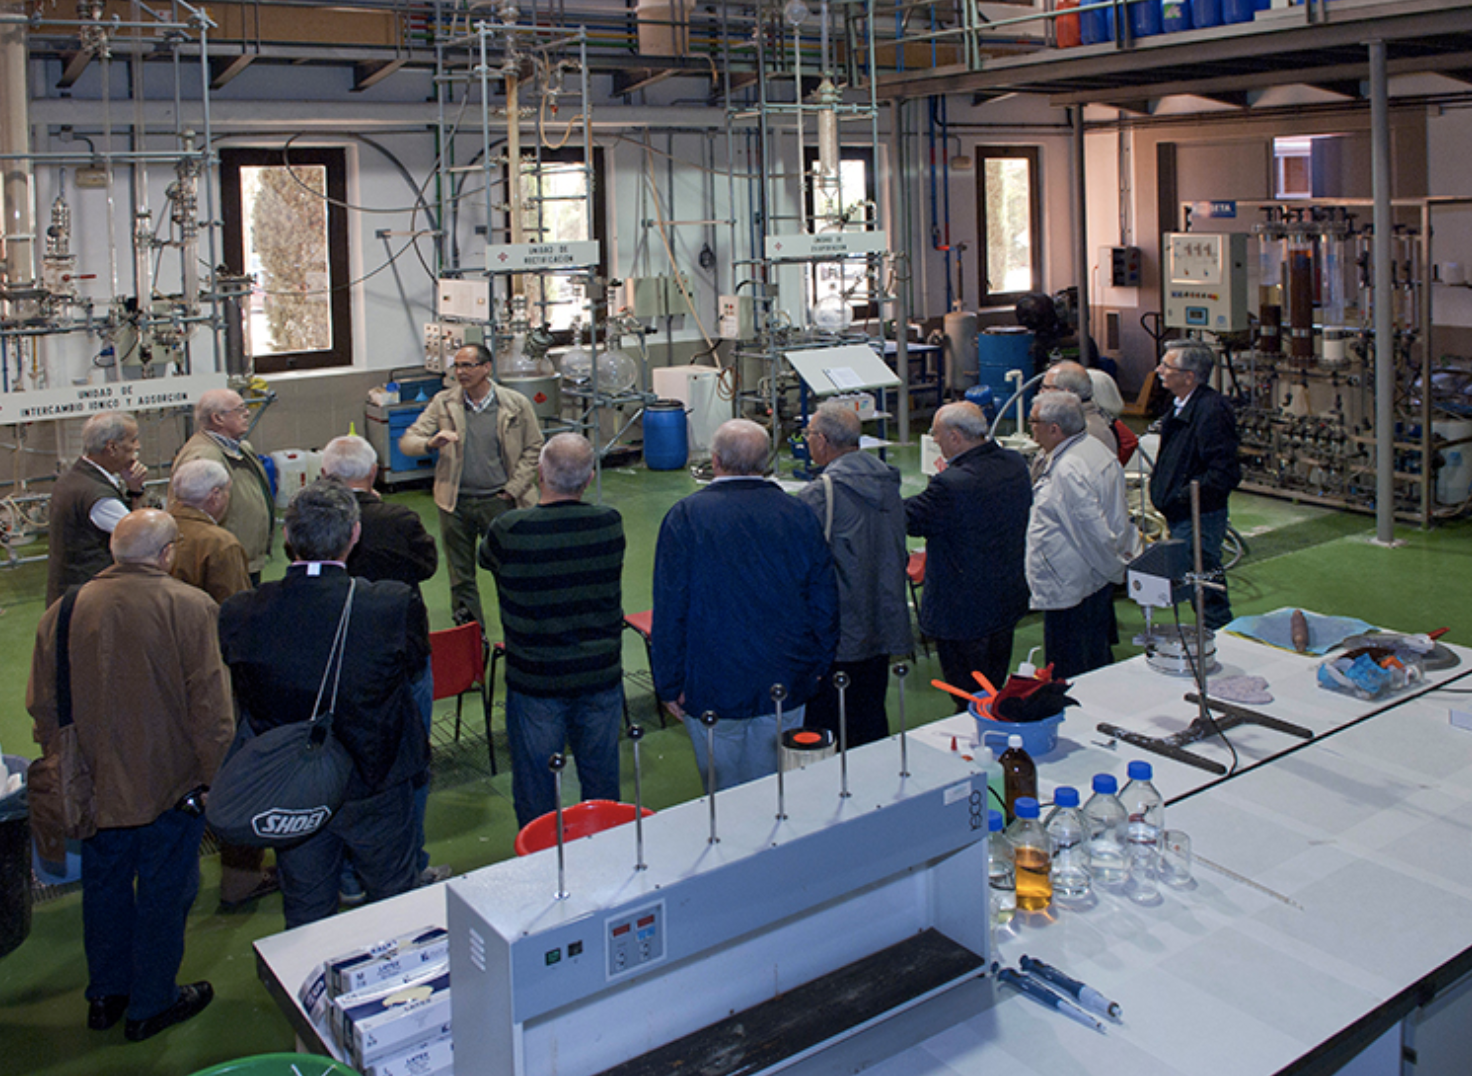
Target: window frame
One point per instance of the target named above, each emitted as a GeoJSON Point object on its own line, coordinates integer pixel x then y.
{"type": "Point", "coordinates": [335, 160]}
{"type": "Point", "coordinates": [1033, 156]}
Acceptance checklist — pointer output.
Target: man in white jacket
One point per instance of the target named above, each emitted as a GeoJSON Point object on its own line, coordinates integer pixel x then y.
{"type": "Point", "coordinates": [1079, 536]}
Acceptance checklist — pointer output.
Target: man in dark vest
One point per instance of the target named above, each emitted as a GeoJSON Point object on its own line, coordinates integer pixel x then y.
{"type": "Point", "coordinates": [90, 499]}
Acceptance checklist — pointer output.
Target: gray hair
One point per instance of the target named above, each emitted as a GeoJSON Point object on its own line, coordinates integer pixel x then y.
{"type": "Point", "coordinates": [319, 520]}
{"type": "Point", "coordinates": [965, 419]}
{"type": "Point", "coordinates": [566, 464]}
{"type": "Point", "coordinates": [1072, 377]}
{"type": "Point", "coordinates": [214, 402]}
{"type": "Point", "coordinates": [838, 423]}
{"type": "Point", "coordinates": [1195, 358]}
{"type": "Point", "coordinates": [106, 429]}
{"type": "Point", "coordinates": [349, 457]}
{"type": "Point", "coordinates": [1064, 409]}
{"type": "Point", "coordinates": [741, 447]}
{"type": "Point", "coordinates": [193, 482]}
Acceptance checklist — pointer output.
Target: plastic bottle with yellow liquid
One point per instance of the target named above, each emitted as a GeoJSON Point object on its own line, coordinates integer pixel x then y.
{"type": "Point", "coordinates": [1032, 857]}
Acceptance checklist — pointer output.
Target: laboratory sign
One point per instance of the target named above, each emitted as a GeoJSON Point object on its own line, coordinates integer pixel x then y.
{"type": "Point", "coordinates": [84, 401]}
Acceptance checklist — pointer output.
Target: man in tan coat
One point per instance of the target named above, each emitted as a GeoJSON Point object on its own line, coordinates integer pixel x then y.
{"type": "Point", "coordinates": [150, 699]}
{"type": "Point", "coordinates": [207, 556]}
{"type": "Point", "coordinates": [221, 420]}
{"type": "Point", "coordinates": [489, 440]}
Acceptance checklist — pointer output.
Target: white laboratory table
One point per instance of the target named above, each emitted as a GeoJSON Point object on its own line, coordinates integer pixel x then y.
{"type": "Point", "coordinates": [1352, 903]}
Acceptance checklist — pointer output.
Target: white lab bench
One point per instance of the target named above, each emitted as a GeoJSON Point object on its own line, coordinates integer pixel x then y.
{"type": "Point", "coordinates": [1360, 907]}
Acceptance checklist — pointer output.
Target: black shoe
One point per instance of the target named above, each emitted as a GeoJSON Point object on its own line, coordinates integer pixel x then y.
{"type": "Point", "coordinates": [105, 1011]}
{"type": "Point", "coordinates": [192, 1000]}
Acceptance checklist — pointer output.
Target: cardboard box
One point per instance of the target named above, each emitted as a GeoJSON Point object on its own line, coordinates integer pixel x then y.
{"type": "Point", "coordinates": [433, 1058]}
{"type": "Point", "coordinates": [379, 1026]}
{"type": "Point", "coordinates": [389, 961]}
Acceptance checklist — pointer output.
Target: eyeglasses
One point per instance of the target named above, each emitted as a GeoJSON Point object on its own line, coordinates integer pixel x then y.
{"type": "Point", "coordinates": [1167, 366]}
{"type": "Point", "coordinates": [465, 365]}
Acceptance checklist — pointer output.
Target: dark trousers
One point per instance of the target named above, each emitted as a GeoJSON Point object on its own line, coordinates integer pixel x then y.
{"type": "Point", "coordinates": [377, 831]}
{"type": "Point", "coordinates": [863, 702]}
{"type": "Point", "coordinates": [137, 887]}
{"type": "Point", "coordinates": [1076, 640]}
{"type": "Point", "coordinates": [991, 655]}
{"type": "Point", "coordinates": [461, 532]}
{"type": "Point", "coordinates": [1213, 532]}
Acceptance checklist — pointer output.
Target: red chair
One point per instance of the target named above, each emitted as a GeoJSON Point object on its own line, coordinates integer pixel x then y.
{"type": "Point", "coordinates": [642, 624]}
{"type": "Point", "coordinates": [458, 660]}
{"type": "Point", "coordinates": [915, 576]}
{"type": "Point", "coordinates": [579, 820]}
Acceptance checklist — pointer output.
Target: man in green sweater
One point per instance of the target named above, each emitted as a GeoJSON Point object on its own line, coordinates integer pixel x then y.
{"type": "Point", "coordinates": [558, 567]}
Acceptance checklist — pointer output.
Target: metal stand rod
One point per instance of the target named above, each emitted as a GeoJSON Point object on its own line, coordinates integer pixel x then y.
{"type": "Point", "coordinates": [840, 682]}
{"type": "Point", "coordinates": [1199, 665]}
{"type": "Point", "coordinates": [902, 670]}
{"type": "Point", "coordinates": [779, 693]}
{"type": "Point", "coordinates": [708, 719]}
{"type": "Point", "coordinates": [556, 764]}
{"type": "Point", "coordinates": [636, 733]}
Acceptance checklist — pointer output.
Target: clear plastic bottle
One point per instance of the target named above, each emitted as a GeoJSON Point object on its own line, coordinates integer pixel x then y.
{"type": "Point", "coordinates": [1065, 826]}
{"type": "Point", "coordinates": [1019, 774]}
{"type": "Point", "coordinates": [1001, 882]}
{"type": "Point", "coordinates": [1145, 811]}
{"type": "Point", "coordinates": [1032, 857]}
{"type": "Point", "coordinates": [1106, 822]}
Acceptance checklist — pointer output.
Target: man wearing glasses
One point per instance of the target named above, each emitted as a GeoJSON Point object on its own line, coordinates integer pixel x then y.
{"type": "Point", "coordinates": [1198, 442]}
{"type": "Point", "coordinates": [221, 421]}
{"type": "Point", "coordinates": [488, 439]}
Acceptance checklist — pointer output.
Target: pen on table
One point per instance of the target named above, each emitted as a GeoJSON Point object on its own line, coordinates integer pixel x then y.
{"type": "Point", "coordinates": [1086, 996]}
{"type": "Point", "coordinates": [1038, 992]}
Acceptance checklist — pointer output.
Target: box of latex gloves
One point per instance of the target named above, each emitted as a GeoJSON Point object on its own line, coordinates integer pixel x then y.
{"type": "Point", "coordinates": [388, 961]}
{"type": "Point", "coordinates": [435, 1057]}
{"type": "Point", "coordinates": [382, 1021]}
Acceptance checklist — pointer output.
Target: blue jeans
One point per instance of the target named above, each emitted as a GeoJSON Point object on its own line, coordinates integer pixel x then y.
{"type": "Point", "coordinates": [1213, 530]}
{"type": "Point", "coordinates": [135, 940]}
{"type": "Point", "coordinates": [746, 748]}
{"type": "Point", "coordinates": [537, 728]}
{"type": "Point", "coordinates": [377, 831]}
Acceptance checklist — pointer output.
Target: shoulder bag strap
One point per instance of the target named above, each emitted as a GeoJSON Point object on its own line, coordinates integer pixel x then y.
{"type": "Point", "coordinates": [335, 658]}
{"type": "Point", "coordinates": [64, 658]}
{"type": "Point", "coordinates": [828, 511]}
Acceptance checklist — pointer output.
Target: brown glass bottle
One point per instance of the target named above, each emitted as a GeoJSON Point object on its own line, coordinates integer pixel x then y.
{"type": "Point", "coordinates": [1019, 774]}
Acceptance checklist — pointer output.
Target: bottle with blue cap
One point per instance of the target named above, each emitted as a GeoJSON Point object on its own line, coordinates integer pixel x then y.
{"type": "Point", "coordinates": [1003, 888]}
{"type": "Point", "coordinates": [1145, 811]}
{"type": "Point", "coordinates": [1106, 822]}
{"type": "Point", "coordinates": [1032, 856]}
{"type": "Point", "coordinates": [1065, 828]}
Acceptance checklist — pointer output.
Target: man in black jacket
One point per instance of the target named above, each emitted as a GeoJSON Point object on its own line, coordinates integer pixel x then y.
{"type": "Point", "coordinates": [973, 517]}
{"type": "Point", "coordinates": [1198, 442]}
{"type": "Point", "coordinates": [276, 641]}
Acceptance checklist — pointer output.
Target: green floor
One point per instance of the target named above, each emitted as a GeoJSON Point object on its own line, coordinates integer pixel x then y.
{"type": "Point", "coordinates": [1299, 556]}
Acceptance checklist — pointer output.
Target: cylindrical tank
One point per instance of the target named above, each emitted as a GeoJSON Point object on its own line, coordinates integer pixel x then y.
{"type": "Point", "coordinates": [1206, 13]}
{"type": "Point", "coordinates": [1301, 298]}
{"type": "Point", "coordinates": [1097, 26]}
{"type": "Point", "coordinates": [666, 436]}
{"type": "Point", "coordinates": [543, 390]}
{"type": "Point", "coordinates": [1065, 27]}
{"type": "Point", "coordinates": [1454, 479]}
{"type": "Point", "coordinates": [1239, 10]}
{"type": "Point", "coordinates": [1145, 18]}
{"type": "Point", "coordinates": [960, 349]}
{"type": "Point", "coordinates": [1270, 293]}
{"type": "Point", "coordinates": [664, 27]}
{"type": "Point", "coordinates": [1175, 16]}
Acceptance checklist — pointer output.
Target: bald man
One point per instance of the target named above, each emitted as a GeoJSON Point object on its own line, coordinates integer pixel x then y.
{"type": "Point", "coordinates": [150, 699]}
{"type": "Point", "coordinates": [221, 420]}
{"type": "Point", "coordinates": [745, 598]}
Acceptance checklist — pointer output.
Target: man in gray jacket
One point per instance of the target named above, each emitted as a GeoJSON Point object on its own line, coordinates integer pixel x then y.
{"type": "Point", "coordinates": [857, 499]}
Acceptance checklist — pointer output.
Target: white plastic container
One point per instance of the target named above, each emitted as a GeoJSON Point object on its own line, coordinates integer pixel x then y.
{"type": "Point", "coordinates": [295, 468]}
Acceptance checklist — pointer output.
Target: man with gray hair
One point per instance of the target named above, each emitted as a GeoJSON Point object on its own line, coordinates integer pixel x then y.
{"type": "Point", "coordinates": [558, 568]}
{"type": "Point", "coordinates": [745, 598]}
{"type": "Point", "coordinates": [150, 701]}
{"type": "Point", "coordinates": [208, 556]}
{"type": "Point", "coordinates": [1071, 377]}
{"type": "Point", "coordinates": [89, 499]}
{"type": "Point", "coordinates": [221, 420]}
{"type": "Point", "coordinates": [277, 640]}
{"type": "Point", "coordinates": [973, 517]}
{"type": "Point", "coordinates": [857, 501]}
{"type": "Point", "coordinates": [1198, 443]}
{"type": "Point", "coordinates": [1079, 537]}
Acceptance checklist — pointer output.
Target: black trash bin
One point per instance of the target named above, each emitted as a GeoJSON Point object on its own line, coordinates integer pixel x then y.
{"type": "Point", "coordinates": [15, 862]}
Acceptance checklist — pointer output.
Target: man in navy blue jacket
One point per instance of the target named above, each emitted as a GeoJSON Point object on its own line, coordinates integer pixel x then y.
{"type": "Point", "coordinates": [973, 517]}
{"type": "Point", "coordinates": [745, 597]}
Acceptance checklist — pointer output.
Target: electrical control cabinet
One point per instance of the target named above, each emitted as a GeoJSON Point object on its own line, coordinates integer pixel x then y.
{"type": "Point", "coordinates": [1206, 281]}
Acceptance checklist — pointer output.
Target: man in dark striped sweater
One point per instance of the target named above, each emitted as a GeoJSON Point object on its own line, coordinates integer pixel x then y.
{"type": "Point", "coordinates": [558, 567]}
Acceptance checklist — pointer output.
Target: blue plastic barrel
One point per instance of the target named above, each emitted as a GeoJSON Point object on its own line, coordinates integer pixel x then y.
{"type": "Point", "coordinates": [985, 398]}
{"type": "Point", "coordinates": [1206, 13]}
{"type": "Point", "coordinates": [1097, 26]}
{"type": "Point", "coordinates": [666, 440]}
{"type": "Point", "coordinates": [1145, 18]}
{"type": "Point", "coordinates": [1175, 16]}
{"type": "Point", "coordinates": [1239, 10]}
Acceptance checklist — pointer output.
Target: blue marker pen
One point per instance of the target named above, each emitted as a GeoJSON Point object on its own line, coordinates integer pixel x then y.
{"type": "Point", "coordinates": [1086, 996]}
{"type": "Point", "coordinates": [1040, 993]}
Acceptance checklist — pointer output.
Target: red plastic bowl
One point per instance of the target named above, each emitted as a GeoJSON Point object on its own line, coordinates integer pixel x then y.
{"type": "Point", "coordinates": [579, 820]}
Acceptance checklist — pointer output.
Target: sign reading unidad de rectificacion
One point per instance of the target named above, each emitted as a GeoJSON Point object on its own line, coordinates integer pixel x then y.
{"type": "Point", "coordinates": [83, 401]}
{"type": "Point", "coordinates": [523, 257]}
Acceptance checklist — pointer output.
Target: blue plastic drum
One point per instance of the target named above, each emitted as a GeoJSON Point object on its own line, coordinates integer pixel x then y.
{"type": "Point", "coordinates": [1175, 16]}
{"type": "Point", "coordinates": [666, 438]}
{"type": "Point", "coordinates": [1145, 18]}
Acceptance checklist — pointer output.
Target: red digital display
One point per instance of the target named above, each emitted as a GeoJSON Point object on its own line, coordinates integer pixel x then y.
{"type": "Point", "coordinates": [646, 921]}
{"type": "Point", "coordinates": [622, 928]}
